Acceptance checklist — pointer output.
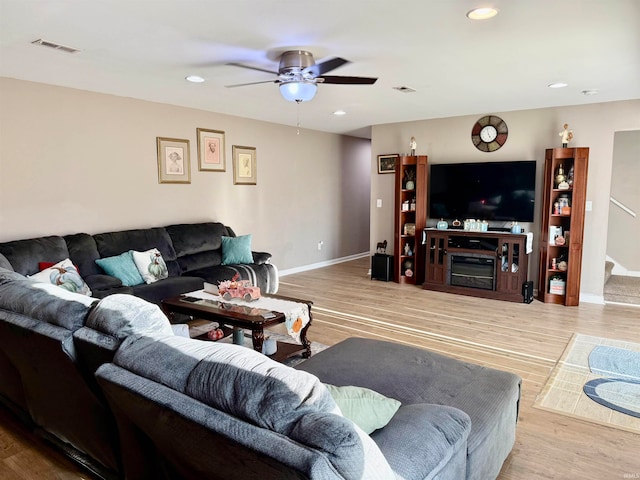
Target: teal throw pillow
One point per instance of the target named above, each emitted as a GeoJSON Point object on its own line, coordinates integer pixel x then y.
{"type": "Point", "coordinates": [368, 409]}
{"type": "Point", "coordinates": [236, 250]}
{"type": "Point", "coordinates": [122, 267]}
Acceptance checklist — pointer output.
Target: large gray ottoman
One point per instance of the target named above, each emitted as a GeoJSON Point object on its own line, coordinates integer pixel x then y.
{"type": "Point", "coordinates": [413, 375]}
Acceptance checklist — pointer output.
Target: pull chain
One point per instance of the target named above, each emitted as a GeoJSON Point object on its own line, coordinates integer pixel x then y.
{"type": "Point", "coordinates": [298, 119]}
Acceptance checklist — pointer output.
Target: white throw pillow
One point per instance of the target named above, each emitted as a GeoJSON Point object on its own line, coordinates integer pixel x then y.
{"type": "Point", "coordinates": [63, 274]}
{"type": "Point", "coordinates": [150, 264]}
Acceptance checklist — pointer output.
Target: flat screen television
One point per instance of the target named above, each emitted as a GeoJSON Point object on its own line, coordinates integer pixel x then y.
{"type": "Point", "coordinates": [498, 191]}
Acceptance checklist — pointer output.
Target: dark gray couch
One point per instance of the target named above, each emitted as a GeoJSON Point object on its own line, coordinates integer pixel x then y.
{"type": "Point", "coordinates": [192, 252]}
{"type": "Point", "coordinates": [109, 382]}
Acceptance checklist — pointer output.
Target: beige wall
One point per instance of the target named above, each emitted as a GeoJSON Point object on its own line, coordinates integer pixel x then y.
{"type": "Point", "coordinates": [624, 229]}
{"type": "Point", "coordinates": [74, 161]}
{"type": "Point", "coordinates": [530, 133]}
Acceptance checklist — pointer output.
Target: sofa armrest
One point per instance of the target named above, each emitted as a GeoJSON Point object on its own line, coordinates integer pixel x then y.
{"type": "Point", "coordinates": [403, 441]}
{"type": "Point", "coordinates": [261, 257]}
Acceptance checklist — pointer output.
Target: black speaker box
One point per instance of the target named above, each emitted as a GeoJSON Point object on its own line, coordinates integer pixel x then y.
{"type": "Point", "coordinates": [527, 292]}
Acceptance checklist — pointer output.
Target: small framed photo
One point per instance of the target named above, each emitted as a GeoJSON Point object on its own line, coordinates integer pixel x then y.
{"type": "Point", "coordinates": [174, 160]}
{"type": "Point", "coordinates": [244, 165]}
{"type": "Point", "coordinates": [387, 163]}
{"type": "Point", "coordinates": [211, 151]}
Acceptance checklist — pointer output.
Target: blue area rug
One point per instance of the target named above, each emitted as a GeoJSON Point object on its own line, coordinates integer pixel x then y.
{"type": "Point", "coordinates": [620, 389]}
{"type": "Point", "coordinates": [612, 362]}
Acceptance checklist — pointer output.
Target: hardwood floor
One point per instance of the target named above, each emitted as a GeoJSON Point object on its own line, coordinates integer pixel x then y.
{"type": "Point", "coordinates": [526, 339]}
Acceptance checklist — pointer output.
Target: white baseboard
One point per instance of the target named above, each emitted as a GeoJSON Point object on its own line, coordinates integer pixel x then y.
{"type": "Point", "coordinates": [313, 266]}
{"type": "Point", "coordinates": [592, 298]}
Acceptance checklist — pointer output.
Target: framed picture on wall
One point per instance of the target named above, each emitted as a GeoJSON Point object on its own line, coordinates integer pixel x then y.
{"type": "Point", "coordinates": [244, 165]}
{"type": "Point", "coordinates": [387, 163]}
{"type": "Point", "coordinates": [211, 151]}
{"type": "Point", "coordinates": [174, 160]}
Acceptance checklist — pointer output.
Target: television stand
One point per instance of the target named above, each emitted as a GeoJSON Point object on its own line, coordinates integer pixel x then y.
{"type": "Point", "coordinates": [480, 264]}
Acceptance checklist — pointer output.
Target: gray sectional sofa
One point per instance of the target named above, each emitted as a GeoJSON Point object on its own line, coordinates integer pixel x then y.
{"type": "Point", "coordinates": [107, 381]}
{"type": "Point", "coordinates": [192, 253]}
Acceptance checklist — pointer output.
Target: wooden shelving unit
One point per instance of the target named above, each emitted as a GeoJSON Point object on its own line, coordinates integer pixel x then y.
{"type": "Point", "coordinates": [563, 208]}
{"type": "Point", "coordinates": [410, 218]}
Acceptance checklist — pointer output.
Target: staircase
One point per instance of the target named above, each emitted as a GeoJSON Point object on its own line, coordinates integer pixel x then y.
{"type": "Point", "coordinates": [620, 288]}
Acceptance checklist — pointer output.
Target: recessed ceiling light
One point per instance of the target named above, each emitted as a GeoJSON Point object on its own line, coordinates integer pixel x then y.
{"type": "Point", "coordinates": [558, 85]}
{"type": "Point", "coordinates": [482, 13]}
{"type": "Point", "coordinates": [194, 79]}
{"type": "Point", "coordinates": [592, 91]}
{"type": "Point", "coordinates": [339, 112]}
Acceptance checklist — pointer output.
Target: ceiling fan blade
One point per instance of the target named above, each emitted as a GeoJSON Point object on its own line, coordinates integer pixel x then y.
{"type": "Point", "coordinates": [251, 83]}
{"type": "Point", "coordinates": [347, 80]}
{"type": "Point", "coordinates": [233, 64]}
{"type": "Point", "coordinates": [326, 66]}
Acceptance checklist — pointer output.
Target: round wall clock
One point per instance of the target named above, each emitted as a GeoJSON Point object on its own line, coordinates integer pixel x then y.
{"type": "Point", "coordinates": [489, 133]}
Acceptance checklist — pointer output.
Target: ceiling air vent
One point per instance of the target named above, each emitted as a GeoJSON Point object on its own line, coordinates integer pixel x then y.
{"type": "Point", "coordinates": [404, 89]}
{"type": "Point", "coordinates": [55, 46]}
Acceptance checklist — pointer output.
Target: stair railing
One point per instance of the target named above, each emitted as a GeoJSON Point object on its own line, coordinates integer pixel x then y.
{"type": "Point", "coordinates": [622, 206]}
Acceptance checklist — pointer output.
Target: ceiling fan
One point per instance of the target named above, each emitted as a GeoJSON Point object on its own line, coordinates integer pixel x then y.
{"type": "Point", "coordinates": [299, 75]}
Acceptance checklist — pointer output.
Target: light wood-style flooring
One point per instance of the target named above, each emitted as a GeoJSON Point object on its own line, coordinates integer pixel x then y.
{"type": "Point", "coordinates": [526, 339]}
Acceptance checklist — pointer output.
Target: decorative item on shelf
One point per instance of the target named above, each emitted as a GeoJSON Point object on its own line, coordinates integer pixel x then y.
{"type": "Point", "coordinates": [557, 285]}
{"type": "Point", "coordinates": [556, 208]}
{"type": "Point", "coordinates": [560, 176]}
{"type": "Point", "coordinates": [442, 224]}
{"type": "Point", "coordinates": [559, 240]}
{"type": "Point", "coordinates": [409, 179]}
{"type": "Point", "coordinates": [381, 247]}
{"type": "Point", "coordinates": [515, 228]}
{"type": "Point", "coordinates": [408, 268]}
{"type": "Point", "coordinates": [562, 266]}
{"type": "Point", "coordinates": [566, 134]}
{"type": "Point", "coordinates": [407, 250]}
{"type": "Point", "coordinates": [565, 210]}
{"type": "Point", "coordinates": [570, 177]}
{"type": "Point", "coordinates": [405, 206]}
{"type": "Point", "coordinates": [563, 186]}
{"type": "Point", "coordinates": [412, 146]}
{"type": "Point", "coordinates": [456, 223]}
{"type": "Point", "coordinates": [554, 232]}
{"type": "Point", "coordinates": [554, 264]}
{"type": "Point", "coordinates": [409, 228]}
{"type": "Point", "coordinates": [412, 206]}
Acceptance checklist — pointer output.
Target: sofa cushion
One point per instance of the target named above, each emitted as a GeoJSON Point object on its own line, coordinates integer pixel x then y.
{"type": "Point", "coordinates": [364, 407]}
{"type": "Point", "coordinates": [65, 275]}
{"type": "Point", "coordinates": [115, 243]}
{"type": "Point", "coordinates": [251, 386]}
{"type": "Point", "coordinates": [122, 267]}
{"type": "Point", "coordinates": [150, 264]}
{"type": "Point", "coordinates": [83, 252]}
{"type": "Point", "coordinates": [4, 263]}
{"type": "Point", "coordinates": [24, 255]}
{"type": "Point", "coordinates": [236, 250]}
{"type": "Point", "coordinates": [122, 315]}
{"type": "Point", "coordinates": [43, 301]}
{"type": "Point", "coordinates": [198, 245]}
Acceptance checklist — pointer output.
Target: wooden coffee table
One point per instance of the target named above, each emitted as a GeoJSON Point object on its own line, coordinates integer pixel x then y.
{"type": "Point", "coordinates": [243, 317]}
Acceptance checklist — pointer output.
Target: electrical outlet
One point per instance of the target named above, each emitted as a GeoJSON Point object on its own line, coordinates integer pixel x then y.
{"type": "Point", "coordinates": [588, 206]}
{"type": "Point", "coordinates": [320, 245]}
{"type": "Point", "coordinates": [379, 203]}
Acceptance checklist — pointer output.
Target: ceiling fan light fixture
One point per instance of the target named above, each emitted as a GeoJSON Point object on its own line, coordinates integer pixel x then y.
{"type": "Point", "coordinates": [298, 91]}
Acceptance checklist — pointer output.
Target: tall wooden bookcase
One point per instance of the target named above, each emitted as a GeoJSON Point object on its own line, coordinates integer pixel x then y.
{"type": "Point", "coordinates": [410, 219]}
{"type": "Point", "coordinates": [563, 208]}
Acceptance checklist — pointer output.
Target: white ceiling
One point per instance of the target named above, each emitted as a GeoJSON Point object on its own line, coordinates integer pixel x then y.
{"type": "Point", "coordinates": [144, 49]}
